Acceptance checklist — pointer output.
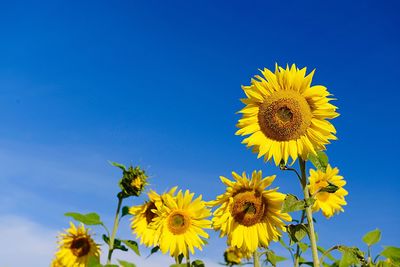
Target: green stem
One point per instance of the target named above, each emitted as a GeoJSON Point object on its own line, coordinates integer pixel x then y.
{"type": "Point", "coordinates": [313, 240]}
{"type": "Point", "coordinates": [187, 257]}
{"type": "Point", "coordinates": [297, 255]}
{"type": "Point", "coordinates": [256, 259]}
{"type": "Point", "coordinates": [114, 231]}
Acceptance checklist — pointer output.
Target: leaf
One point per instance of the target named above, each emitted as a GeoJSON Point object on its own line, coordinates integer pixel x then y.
{"type": "Point", "coordinates": [372, 237]}
{"type": "Point", "coordinates": [119, 165]}
{"type": "Point", "coordinates": [198, 263]}
{"type": "Point", "coordinates": [297, 232]}
{"type": "Point", "coordinates": [132, 245]}
{"type": "Point", "coordinates": [154, 250]}
{"type": "Point", "coordinates": [94, 262]}
{"type": "Point", "coordinates": [118, 245]}
{"type": "Point", "coordinates": [125, 211]}
{"type": "Point", "coordinates": [179, 265]}
{"type": "Point", "coordinates": [271, 257]}
{"type": "Point", "coordinates": [303, 246]}
{"type": "Point", "coordinates": [392, 253]}
{"type": "Point", "coordinates": [350, 256]}
{"type": "Point", "coordinates": [88, 219]}
{"type": "Point", "coordinates": [320, 160]}
{"type": "Point", "coordinates": [126, 264]}
{"type": "Point", "coordinates": [110, 265]}
{"type": "Point", "coordinates": [180, 258]}
{"type": "Point", "coordinates": [292, 203]}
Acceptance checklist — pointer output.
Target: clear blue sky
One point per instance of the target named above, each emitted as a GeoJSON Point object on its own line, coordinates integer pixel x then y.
{"type": "Point", "coordinates": [157, 83]}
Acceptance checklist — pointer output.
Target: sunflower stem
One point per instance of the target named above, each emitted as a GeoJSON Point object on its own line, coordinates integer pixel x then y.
{"type": "Point", "coordinates": [256, 259]}
{"type": "Point", "coordinates": [297, 255]}
{"type": "Point", "coordinates": [310, 221]}
{"type": "Point", "coordinates": [187, 257]}
{"type": "Point", "coordinates": [114, 231]}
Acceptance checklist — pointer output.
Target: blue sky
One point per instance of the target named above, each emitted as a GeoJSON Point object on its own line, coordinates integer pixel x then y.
{"type": "Point", "coordinates": [158, 83]}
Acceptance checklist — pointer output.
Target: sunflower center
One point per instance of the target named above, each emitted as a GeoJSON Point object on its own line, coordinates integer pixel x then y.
{"type": "Point", "coordinates": [248, 208]}
{"type": "Point", "coordinates": [178, 222]}
{"type": "Point", "coordinates": [80, 246]}
{"type": "Point", "coordinates": [148, 213]}
{"type": "Point", "coordinates": [284, 116]}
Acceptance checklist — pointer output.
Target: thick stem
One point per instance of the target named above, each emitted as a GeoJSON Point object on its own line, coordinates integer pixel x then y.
{"type": "Point", "coordinates": [256, 259]}
{"type": "Point", "coordinates": [114, 231]}
{"type": "Point", "coordinates": [313, 240]}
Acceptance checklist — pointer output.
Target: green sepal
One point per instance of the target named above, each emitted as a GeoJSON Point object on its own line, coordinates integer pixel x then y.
{"type": "Point", "coordinates": [331, 188]}
{"type": "Point", "coordinates": [124, 211]}
{"type": "Point", "coordinates": [88, 219]}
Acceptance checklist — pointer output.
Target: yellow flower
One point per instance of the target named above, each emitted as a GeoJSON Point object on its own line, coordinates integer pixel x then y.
{"type": "Point", "coordinates": [143, 216]}
{"type": "Point", "coordinates": [249, 214]}
{"type": "Point", "coordinates": [286, 116]}
{"type": "Point", "coordinates": [329, 203]}
{"type": "Point", "coordinates": [234, 256]}
{"type": "Point", "coordinates": [75, 248]}
{"type": "Point", "coordinates": [180, 223]}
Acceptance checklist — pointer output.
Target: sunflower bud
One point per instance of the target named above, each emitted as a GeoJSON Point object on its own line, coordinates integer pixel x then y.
{"type": "Point", "coordinates": [133, 181]}
{"type": "Point", "coordinates": [233, 256]}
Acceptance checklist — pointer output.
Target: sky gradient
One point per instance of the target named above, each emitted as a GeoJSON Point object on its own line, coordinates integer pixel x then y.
{"type": "Point", "coordinates": [157, 84]}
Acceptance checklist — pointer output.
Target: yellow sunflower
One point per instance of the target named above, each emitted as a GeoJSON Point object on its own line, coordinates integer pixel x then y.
{"type": "Point", "coordinates": [286, 116]}
{"type": "Point", "coordinates": [329, 203]}
{"type": "Point", "coordinates": [234, 256]}
{"type": "Point", "coordinates": [249, 214]}
{"type": "Point", "coordinates": [76, 246]}
{"type": "Point", "coordinates": [143, 216]}
{"type": "Point", "coordinates": [180, 223]}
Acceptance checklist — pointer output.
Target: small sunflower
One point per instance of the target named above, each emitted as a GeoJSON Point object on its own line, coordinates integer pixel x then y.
{"type": "Point", "coordinates": [329, 203]}
{"type": "Point", "coordinates": [249, 214]}
{"type": "Point", "coordinates": [234, 256]}
{"type": "Point", "coordinates": [76, 246]}
{"type": "Point", "coordinates": [286, 116]}
{"type": "Point", "coordinates": [180, 223]}
{"type": "Point", "coordinates": [143, 216]}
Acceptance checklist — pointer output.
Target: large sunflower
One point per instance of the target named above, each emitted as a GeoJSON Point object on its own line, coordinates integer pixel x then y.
{"type": "Point", "coordinates": [286, 116]}
{"type": "Point", "coordinates": [249, 214]}
{"type": "Point", "coordinates": [180, 223]}
{"type": "Point", "coordinates": [143, 216]}
{"type": "Point", "coordinates": [329, 203]}
{"type": "Point", "coordinates": [76, 246]}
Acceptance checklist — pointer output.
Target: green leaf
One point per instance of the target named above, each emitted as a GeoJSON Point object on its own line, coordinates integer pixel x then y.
{"type": "Point", "coordinates": [320, 160]}
{"type": "Point", "coordinates": [303, 246]}
{"type": "Point", "coordinates": [111, 265]}
{"type": "Point", "coordinates": [118, 245]}
{"type": "Point", "coordinates": [180, 258]}
{"type": "Point", "coordinates": [179, 265]}
{"type": "Point", "coordinates": [350, 256]}
{"type": "Point", "coordinates": [331, 188]}
{"type": "Point", "coordinates": [292, 203]}
{"type": "Point", "coordinates": [119, 165]}
{"type": "Point", "coordinates": [88, 219]}
{"type": "Point", "coordinates": [94, 262]}
{"type": "Point", "coordinates": [132, 245]}
{"type": "Point", "coordinates": [125, 211]}
{"type": "Point", "coordinates": [392, 253]}
{"type": "Point", "coordinates": [297, 232]}
{"type": "Point", "coordinates": [372, 237]}
{"type": "Point", "coordinates": [154, 250]}
{"type": "Point", "coordinates": [198, 263]}
{"type": "Point", "coordinates": [126, 264]}
{"type": "Point", "coordinates": [106, 239]}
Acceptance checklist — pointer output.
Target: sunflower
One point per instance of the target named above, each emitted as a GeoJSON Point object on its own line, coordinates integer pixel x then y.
{"type": "Point", "coordinates": [249, 214]}
{"type": "Point", "coordinates": [143, 216]}
{"type": "Point", "coordinates": [180, 223]}
{"type": "Point", "coordinates": [76, 246]}
{"type": "Point", "coordinates": [329, 203]}
{"type": "Point", "coordinates": [286, 116]}
{"type": "Point", "coordinates": [234, 256]}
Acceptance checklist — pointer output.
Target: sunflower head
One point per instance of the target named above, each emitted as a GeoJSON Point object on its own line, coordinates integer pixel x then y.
{"type": "Point", "coordinates": [143, 216]}
{"type": "Point", "coordinates": [234, 256]}
{"type": "Point", "coordinates": [248, 213]}
{"type": "Point", "coordinates": [76, 246]}
{"type": "Point", "coordinates": [286, 116]}
{"type": "Point", "coordinates": [180, 223]}
{"type": "Point", "coordinates": [329, 202]}
{"type": "Point", "coordinates": [133, 181]}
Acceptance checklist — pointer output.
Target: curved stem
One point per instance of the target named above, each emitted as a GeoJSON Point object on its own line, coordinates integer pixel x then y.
{"type": "Point", "coordinates": [313, 240]}
{"type": "Point", "coordinates": [114, 231]}
{"type": "Point", "coordinates": [256, 259]}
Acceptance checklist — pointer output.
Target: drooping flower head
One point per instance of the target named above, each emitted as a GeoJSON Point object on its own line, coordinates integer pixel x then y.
{"type": "Point", "coordinates": [180, 223]}
{"type": "Point", "coordinates": [329, 203]}
{"type": "Point", "coordinates": [248, 213]}
{"type": "Point", "coordinates": [286, 116]}
{"type": "Point", "coordinates": [234, 256]}
{"type": "Point", "coordinates": [75, 247]}
{"type": "Point", "coordinates": [143, 216]}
